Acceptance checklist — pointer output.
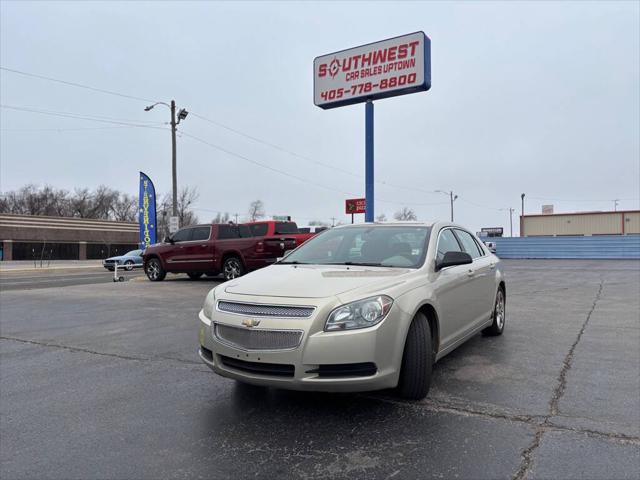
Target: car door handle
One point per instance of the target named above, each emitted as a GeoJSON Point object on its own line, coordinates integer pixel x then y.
{"type": "Point", "coordinates": [492, 266]}
{"type": "Point", "coordinates": [470, 273]}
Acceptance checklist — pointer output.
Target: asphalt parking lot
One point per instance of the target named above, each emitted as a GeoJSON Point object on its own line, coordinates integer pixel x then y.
{"type": "Point", "coordinates": [103, 381]}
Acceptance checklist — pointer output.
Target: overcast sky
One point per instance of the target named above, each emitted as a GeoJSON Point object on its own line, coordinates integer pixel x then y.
{"type": "Point", "coordinates": [541, 98]}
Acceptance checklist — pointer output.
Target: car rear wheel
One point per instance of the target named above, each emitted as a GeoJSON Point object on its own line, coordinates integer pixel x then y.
{"type": "Point", "coordinates": [153, 269]}
{"type": "Point", "coordinates": [194, 275]}
{"type": "Point", "coordinates": [499, 315]}
{"type": "Point", "coordinates": [232, 268]}
{"type": "Point", "coordinates": [417, 360]}
{"type": "Point", "coordinates": [128, 265]}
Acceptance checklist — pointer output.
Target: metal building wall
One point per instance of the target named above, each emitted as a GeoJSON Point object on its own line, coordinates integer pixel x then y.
{"type": "Point", "coordinates": [587, 247]}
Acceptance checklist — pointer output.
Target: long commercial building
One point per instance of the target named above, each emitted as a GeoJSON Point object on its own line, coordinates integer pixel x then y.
{"type": "Point", "coordinates": [625, 222]}
{"type": "Point", "coordinates": [27, 237]}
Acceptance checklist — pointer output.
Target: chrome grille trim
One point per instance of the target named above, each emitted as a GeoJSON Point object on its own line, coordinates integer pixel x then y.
{"type": "Point", "coordinates": [252, 339]}
{"type": "Point", "coordinates": [265, 310]}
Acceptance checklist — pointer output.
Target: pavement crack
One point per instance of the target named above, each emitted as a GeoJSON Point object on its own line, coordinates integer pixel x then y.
{"type": "Point", "coordinates": [138, 358]}
{"type": "Point", "coordinates": [558, 392]}
{"type": "Point", "coordinates": [566, 365]}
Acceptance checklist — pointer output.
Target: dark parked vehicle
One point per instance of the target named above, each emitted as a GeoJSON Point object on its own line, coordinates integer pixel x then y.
{"type": "Point", "coordinates": [213, 249]}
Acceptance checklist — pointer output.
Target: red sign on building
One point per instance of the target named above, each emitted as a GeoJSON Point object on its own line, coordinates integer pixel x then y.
{"type": "Point", "coordinates": [355, 205]}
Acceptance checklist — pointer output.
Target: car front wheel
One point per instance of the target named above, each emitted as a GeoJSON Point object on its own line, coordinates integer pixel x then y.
{"type": "Point", "coordinates": [128, 265]}
{"type": "Point", "coordinates": [232, 268]}
{"type": "Point", "coordinates": [153, 269]}
{"type": "Point", "coordinates": [499, 315]}
{"type": "Point", "coordinates": [417, 360]}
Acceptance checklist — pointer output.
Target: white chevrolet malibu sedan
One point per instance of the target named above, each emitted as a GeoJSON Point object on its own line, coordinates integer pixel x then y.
{"type": "Point", "coordinates": [356, 308]}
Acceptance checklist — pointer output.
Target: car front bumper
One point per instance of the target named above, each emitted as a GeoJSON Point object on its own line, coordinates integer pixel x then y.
{"type": "Point", "coordinates": [323, 361]}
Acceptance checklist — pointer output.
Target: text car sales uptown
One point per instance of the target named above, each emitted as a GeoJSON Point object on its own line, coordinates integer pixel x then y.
{"type": "Point", "coordinates": [371, 64]}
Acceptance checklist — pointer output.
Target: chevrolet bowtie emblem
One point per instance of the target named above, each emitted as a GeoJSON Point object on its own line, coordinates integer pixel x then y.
{"type": "Point", "coordinates": [250, 322]}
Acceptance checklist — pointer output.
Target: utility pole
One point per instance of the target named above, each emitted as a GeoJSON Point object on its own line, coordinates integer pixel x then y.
{"type": "Point", "coordinates": [452, 198]}
{"type": "Point", "coordinates": [236, 215]}
{"type": "Point", "coordinates": [511, 210]}
{"type": "Point", "coordinates": [333, 221]}
{"type": "Point", "coordinates": [522, 216]}
{"type": "Point", "coordinates": [182, 114]}
{"type": "Point", "coordinates": [174, 170]}
{"type": "Point", "coordinates": [615, 205]}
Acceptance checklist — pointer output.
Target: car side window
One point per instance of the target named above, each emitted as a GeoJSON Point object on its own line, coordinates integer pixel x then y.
{"type": "Point", "coordinates": [245, 232]}
{"type": "Point", "coordinates": [201, 233]}
{"type": "Point", "coordinates": [447, 243]}
{"type": "Point", "coordinates": [226, 232]}
{"type": "Point", "coordinates": [183, 235]}
{"type": "Point", "coordinates": [469, 244]}
{"type": "Point", "coordinates": [259, 229]}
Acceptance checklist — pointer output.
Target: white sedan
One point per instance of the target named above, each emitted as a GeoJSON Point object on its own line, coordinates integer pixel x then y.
{"type": "Point", "coordinates": [356, 308]}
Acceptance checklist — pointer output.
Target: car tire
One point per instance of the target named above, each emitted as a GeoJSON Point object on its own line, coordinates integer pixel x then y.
{"type": "Point", "coordinates": [499, 315]}
{"type": "Point", "coordinates": [194, 275]}
{"type": "Point", "coordinates": [128, 265]}
{"type": "Point", "coordinates": [232, 268]}
{"type": "Point", "coordinates": [153, 269]}
{"type": "Point", "coordinates": [417, 360]}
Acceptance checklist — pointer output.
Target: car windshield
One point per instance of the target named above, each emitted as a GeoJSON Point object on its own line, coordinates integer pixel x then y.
{"type": "Point", "coordinates": [133, 253]}
{"type": "Point", "coordinates": [385, 246]}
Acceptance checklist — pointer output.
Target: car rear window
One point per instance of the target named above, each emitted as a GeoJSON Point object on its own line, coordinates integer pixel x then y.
{"type": "Point", "coordinates": [259, 229]}
{"type": "Point", "coordinates": [286, 227]}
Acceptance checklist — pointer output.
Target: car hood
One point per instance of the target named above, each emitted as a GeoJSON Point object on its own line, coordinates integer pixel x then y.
{"type": "Point", "coordinates": [120, 257]}
{"type": "Point", "coordinates": [313, 281]}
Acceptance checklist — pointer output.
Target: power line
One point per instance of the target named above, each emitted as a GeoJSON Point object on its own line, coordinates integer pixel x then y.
{"type": "Point", "coordinates": [303, 157]}
{"type": "Point", "coordinates": [219, 124]}
{"type": "Point", "coordinates": [74, 84]}
{"type": "Point", "coordinates": [92, 118]}
{"type": "Point", "coordinates": [290, 175]}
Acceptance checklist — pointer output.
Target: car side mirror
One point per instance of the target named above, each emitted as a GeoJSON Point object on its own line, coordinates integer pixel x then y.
{"type": "Point", "coordinates": [168, 239]}
{"type": "Point", "coordinates": [451, 259]}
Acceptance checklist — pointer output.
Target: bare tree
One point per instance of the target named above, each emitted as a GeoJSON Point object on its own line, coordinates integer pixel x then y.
{"type": "Point", "coordinates": [256, 210]}
{"type": "Point", "coordinates": [405, 214]}
{"type": "Point", "coordinates": [381, 218]}
{"type": "Point", "coordinates": [318, 223]}
{"type": "Point", "coordinates": [125, 208]}
{"type": "Point", "coordinates": [221, 218]}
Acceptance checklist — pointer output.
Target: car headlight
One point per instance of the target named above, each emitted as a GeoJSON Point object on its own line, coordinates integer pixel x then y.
{"type": "Point", "coordinates": [360, 314]}
{"type": "Point", "coordinates": [209, 303]}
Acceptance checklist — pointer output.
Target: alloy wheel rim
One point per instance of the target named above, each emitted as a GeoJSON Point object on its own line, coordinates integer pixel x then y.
{"type": "Point", "coordinates": [500, 310]}
{"type": "Point", "coordinates": [153, 270]}
{"type": "Point", "coordinates": [231, 270]}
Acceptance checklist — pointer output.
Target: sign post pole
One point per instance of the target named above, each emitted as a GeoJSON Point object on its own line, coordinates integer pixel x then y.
{"type": "Point", "coordinates": [369, 214]}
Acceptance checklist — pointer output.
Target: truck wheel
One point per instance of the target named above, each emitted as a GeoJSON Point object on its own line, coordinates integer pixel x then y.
{"type": "Point", "coordinates": [232, 268]}
{"type": "Point", "coordinates": [417, 360]}
{"type": "Point", "coordinates": [153, 269]}
{"type": "Point", "coordinates": [194, 275]}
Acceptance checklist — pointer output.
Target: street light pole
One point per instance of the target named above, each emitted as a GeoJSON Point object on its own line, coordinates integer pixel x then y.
{"type": "Point", "coordinates": [182, 114]}
{"type": "Point", "coordinates": [522, 216]}
{"type": "Point", "coordinates": [174, 168]}
{"type": "Point", "coordinates": [452, 198]}
{"type": "Point", "coordinates": [511, 220]}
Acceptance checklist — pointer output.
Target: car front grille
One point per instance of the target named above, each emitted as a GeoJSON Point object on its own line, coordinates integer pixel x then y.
{"type": "Point", "coordinates": [272, 369]}
{"type": "Point", "coordinates": [257, 310]}
{"type": "Point", "coordinates": [252, 339]}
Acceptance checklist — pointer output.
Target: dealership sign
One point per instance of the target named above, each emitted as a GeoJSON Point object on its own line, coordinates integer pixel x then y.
{"type": "Point", "coordinates": [355, 205]}
{"type": "Point", "coordinates": [392, 67]}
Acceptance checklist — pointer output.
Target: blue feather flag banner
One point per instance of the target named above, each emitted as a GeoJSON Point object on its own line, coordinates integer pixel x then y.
{"type": "Point", "coordinates": [147, 211]}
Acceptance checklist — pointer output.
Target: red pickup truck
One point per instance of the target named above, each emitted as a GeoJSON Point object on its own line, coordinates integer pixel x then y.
{"type": "Point", "coordinates": [212, 249]}
{"type": "Point", "coordinates": [274, 228]}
